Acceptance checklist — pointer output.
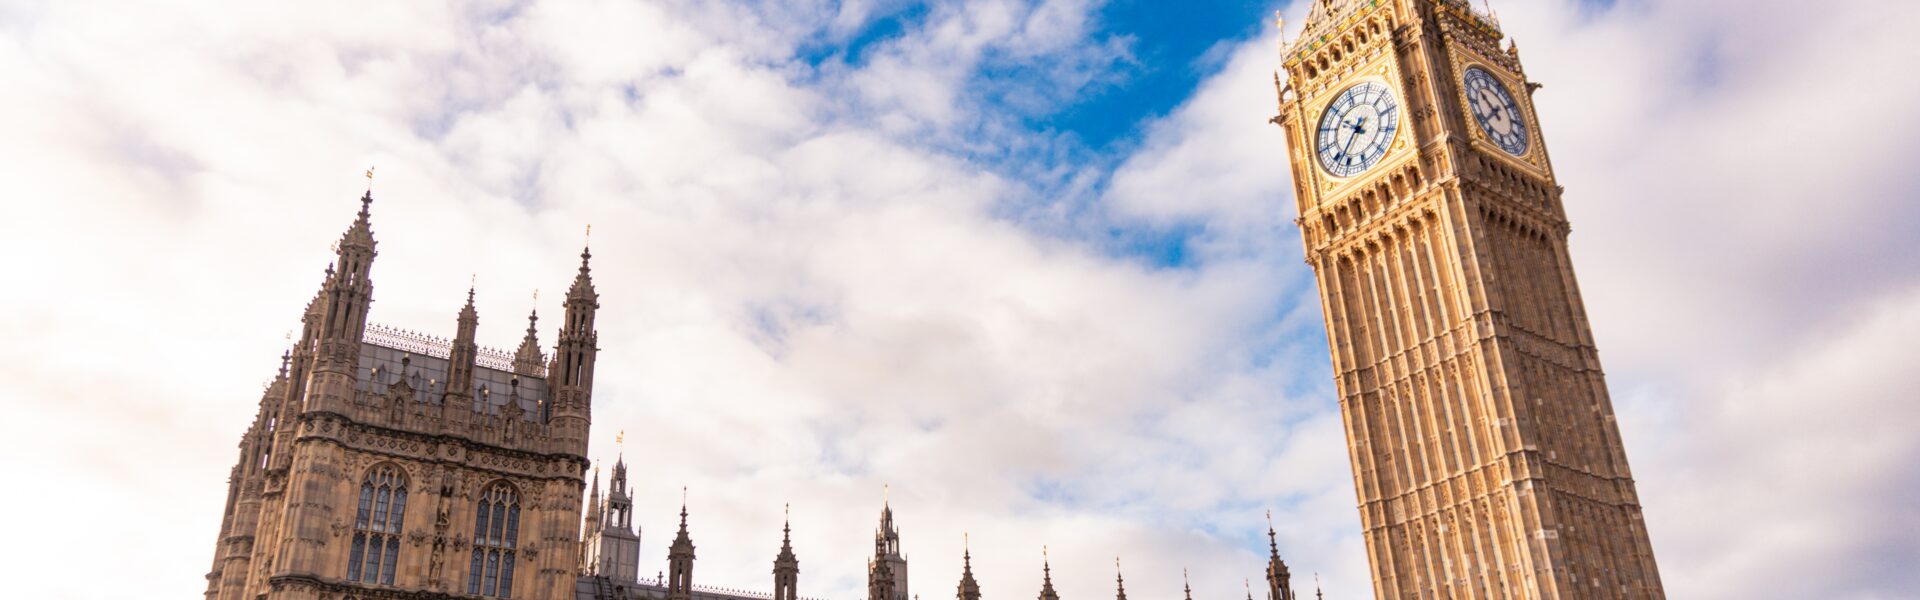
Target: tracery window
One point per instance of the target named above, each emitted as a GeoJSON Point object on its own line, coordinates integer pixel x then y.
{"type": "Point", "coordinates": [496, 534]}
{"type": "Point", "coordinates": [376, 526]}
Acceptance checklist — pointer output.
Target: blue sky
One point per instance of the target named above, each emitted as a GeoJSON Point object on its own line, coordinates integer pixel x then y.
{"type": "Point", "coordinates": [1031, 262]}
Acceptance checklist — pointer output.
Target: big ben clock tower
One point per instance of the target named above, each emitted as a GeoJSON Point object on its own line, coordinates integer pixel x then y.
{"type": "Point", "coordinates": [1486, 457]}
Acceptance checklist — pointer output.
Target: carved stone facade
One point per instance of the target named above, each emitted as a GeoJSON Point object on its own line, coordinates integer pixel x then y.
{"type": "Point", "coordinates": [383, 464]}
{"type": "Point", "coordinates": [1486, 458]}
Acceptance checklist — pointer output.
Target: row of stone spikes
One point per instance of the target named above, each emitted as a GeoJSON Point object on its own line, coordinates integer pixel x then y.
{"type": "Point", "coordinates": [661, 582]}
{"type": "Point", "coordinates": [430, 345]}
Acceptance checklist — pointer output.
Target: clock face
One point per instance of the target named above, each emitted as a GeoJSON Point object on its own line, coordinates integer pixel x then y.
{"type": "Point", "coordinates": [1357, 129]}
{"type": "Point", "coordinates": [1496, 111]}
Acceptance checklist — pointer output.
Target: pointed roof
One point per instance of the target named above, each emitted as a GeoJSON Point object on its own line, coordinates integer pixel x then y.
{"type": "Point", "coordinates": [468, 319]}
{"type": "Point", "coordinates": [1185, 585]}
{"type": "Point", "coordinates": [887, 527]}
{"type": "Point", "coordinates": [619, 484]}
{"type": "Point", "coordinates": [360, 233]}
{"type": "Point", "coordinates": [786, 557]}
{"type": "Point", "coordinates": [682, 543]}
{"type": "Point", "coordinates": [969, 589]}
{"type": "Point", "coordinates": [1119, 581]}
{"type": "Point", "coordinates": [593, 498]}
{"type": "Point", "coordinates": [528, 359]}
{"type": "Point", "coordinates": [1046, 577]}
{"type": "Point", "coordinates": [583, 282]}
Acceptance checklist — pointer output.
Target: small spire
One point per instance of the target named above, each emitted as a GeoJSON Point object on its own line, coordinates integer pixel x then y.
{"type": "Point", "coordinates": [1046, 569]}
{"type": "Point", "coordinates": [1273, 541]}
{"type": "Point", "coordinates": [785, 557]}
{"type": "Point", "coordinates": [1185, 584]}
{"type": "Point", "coordinates": [1119, 581]}
{"type": "Point", "coordinates": [583, 282]}
{"type": "Point", "coordinates": [786, 529]}
{"type": "Point", "coordinates": [1249, 584]}
{"type": "Point", "coordinates": [1316, 586]}
{"type": "Point", "coordinates": [969, 589]}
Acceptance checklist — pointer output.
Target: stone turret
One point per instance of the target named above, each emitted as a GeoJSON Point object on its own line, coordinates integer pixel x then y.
{"type": "Point", "coordinates": [786, 566]}
{"type": "Point", "coordinates": [887, 553]}
{"type": "Point", "coordinates": [1046, 577]}
{"type": "Point", "coordinates": [680, 561]}
{"type": "Point", "coordinates": [969, 589]}
{"type": "Point", "coordinates": [571, 372]}
{"type": "Point", "coordinates": [460, 360]}
{"type": "Point", "coordinates": [613, 544]}
{"type": "Point", "coordinates": [528, 360]}
{"type": "Point", "coordinates": [1278, 586]}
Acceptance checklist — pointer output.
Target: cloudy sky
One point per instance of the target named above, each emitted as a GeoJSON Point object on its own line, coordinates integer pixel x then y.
{"type": "Point", "coordinates": [1030, 263]}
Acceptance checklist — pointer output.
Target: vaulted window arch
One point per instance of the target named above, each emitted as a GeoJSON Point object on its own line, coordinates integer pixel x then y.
{"type": "Point", "coordinates": [377, 521]}
{"type": "Point", "coordinates": [496, 535]}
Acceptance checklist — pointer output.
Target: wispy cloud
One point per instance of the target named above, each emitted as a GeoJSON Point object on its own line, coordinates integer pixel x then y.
{"type": "Point", "coordinates": [825, 275]}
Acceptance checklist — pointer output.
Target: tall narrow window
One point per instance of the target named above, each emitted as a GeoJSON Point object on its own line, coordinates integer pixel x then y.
{"type": "Point", "coordinates": [496, 532]}
{"type": "Point", "coordinates": [377, 521]}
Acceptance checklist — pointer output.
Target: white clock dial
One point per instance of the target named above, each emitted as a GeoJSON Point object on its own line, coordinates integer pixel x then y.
{"type": "Point", "coordinates": [1357, 129]}
{"type": "Point", "coordinates": [1493, 107]}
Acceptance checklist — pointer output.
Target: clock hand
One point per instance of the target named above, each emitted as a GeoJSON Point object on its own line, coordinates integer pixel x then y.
{"type": "Point", "coordinates": [1350, 140]}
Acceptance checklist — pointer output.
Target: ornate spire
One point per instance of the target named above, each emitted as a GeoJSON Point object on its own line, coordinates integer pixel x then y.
{"type": "Point", "coordinates": [1185, 584]}
{"type": "Point", "coordinates": [887, 571]}
{"type": "Point", "coordinates": [528, 360]}
{"type": "Point", "coordinates": [460, 360]}
{"type": "Point", "coordinates": [886, 539]}
{"type": "Point", "coordinates": [360, 233]}
{"type": "Point", "coordinates": [583, 281]}
{"type": "Point", "coordinates": [786, 567]}
{"type": "Point", "coordinates": [570, 372]}
{"type": "Point", "coordinates": [1279, 586]}
{"type": "Point", "coordinates": [1316, 587]}
{"type": "Point", "coordinates": [786, 534]}
{"type": "Point", "coordinates": [969, 589]}
{"type": "Point", "coordinates": [1046, 577]}
{"type": "Point", "coordinates": [1249, 585]}
{"type": "Point", "coordinates": [680, 558]}
{"type": "Point", "coordinates": [1119, 581]}
{"type": "Point", "coordinates": [595, 522]}
{"type": "Point", "coordinates": [619, 484]}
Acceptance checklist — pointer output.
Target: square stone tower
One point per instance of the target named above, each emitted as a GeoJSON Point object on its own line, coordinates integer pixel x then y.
{"type": "Point", "coordinates": [1485, 453]}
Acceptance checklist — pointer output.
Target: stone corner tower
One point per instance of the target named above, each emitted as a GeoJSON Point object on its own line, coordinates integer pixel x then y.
{"type": "Point", "coordinates": [887, 570]}
{"type": "Point", "coordinates": [613, 543]}
{"type": "Point", "coordinates": [388, 463]}
{"type": "Point", "coordinates": [1486, 458]}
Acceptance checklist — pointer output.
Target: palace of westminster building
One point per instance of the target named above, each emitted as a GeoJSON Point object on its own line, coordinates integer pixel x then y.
{"type": "Point", "coordinates": [385, 464]}
{"type": "Point", "coordinates": [1487, 463]}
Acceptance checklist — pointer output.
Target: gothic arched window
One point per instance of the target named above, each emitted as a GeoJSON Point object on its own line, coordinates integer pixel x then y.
{"type": "Point", "coordinates": [376, 526]}
{"type": "Point", "coordinates": [496, 532]}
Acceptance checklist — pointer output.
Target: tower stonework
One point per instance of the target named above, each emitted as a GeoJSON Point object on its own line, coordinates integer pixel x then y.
{"type": "Point", "coordinates": [388, 464]}
{"type": "Point", "coordinates": [1486, 458]}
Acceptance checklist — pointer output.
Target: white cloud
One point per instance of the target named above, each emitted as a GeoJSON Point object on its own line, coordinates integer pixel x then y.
{"type": "Point", "coordinates": [810, 288]}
